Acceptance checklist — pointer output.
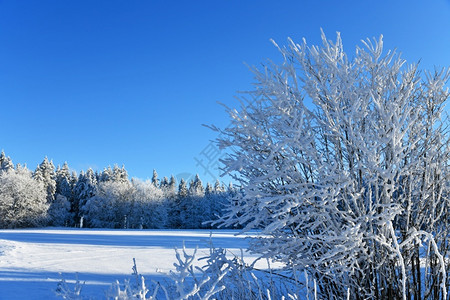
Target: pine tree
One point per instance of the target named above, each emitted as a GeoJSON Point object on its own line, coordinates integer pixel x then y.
{"type": "Point", "coordinates": [194, 207]}
{"type": "Point", "coordinates": [45, 173]}
{"type": "Point", "coordinates": [172, 188]}
{"type": "Point", "coordinates": [119, 174]}
{"type": "Point", "coordinates": [60, 209]}
{"type": "Point", "coordinates": [196, 187]}
{"type": "Point", "coordinates": [182, 189]}
{"type": "Point", "coordinates": [155, 179]}
{"type": "Point", "coordinates": [63, 184]}
{"type": "Point", "coordinates": [5, 162]}
{"type": "Point", "coordinates": [164, 183]}
{"type": "Point", "coordinates": [179, 205]}
{"type": "Point", "coordinates": [209, 190]}
{"type": "Point", "coordinates": [218, 188]}
{"type": "Point", "coordinates": [85, 188]}
{"type": "Point", "coordinates": [107, 174]}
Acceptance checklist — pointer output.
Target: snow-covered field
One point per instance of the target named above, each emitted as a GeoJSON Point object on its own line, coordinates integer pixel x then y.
{"type": "Point", "coordinates": [32, 260]}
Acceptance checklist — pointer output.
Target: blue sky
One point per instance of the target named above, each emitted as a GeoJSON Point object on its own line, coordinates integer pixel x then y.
{"type": "Point", "coordinates": [98, 83]}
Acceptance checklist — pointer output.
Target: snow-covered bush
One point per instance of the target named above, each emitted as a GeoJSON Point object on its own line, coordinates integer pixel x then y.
{"type": "Point", "coordinates": [344, 166]}
{"type": "Point", "coordinates": [223, 276]}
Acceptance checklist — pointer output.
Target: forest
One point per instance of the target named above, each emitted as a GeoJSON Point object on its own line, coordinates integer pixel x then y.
{"type": "Point", "coordinates": [50, 196]}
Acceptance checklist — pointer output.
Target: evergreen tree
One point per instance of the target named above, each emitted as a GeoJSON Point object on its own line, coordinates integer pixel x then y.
{"type": "Point", "coordinates": [209, 190]}
{"type": "Point", "coordinates": [182, 189]}
{"type": "Point", "coordinates": [123, 174]}
{"type": "Point", "coordinates": [178, 205]}
{"type": "Point", "coordinates": [119, 174]}
{"type": "Point", "coordinates": [85, 188]}
{"type": "Point", "coordinates": [5, 162]}
{"type": "Point", "coordinates": [63, 184]}
{"type": "Point", "coordinates": [164, 183]}
{"type": "Point", "coordinates": [59, 212]}
{"type": "Point", "coordinates": [218, 188]}
{"type": "Point", "coordinates": [155, 179]}
{"type": "Point", "coordinates": [107, 174]}
{"type": "Point", "coordinates": [194, 207]}
{"type": "Point", "coordinates": [196, 187]}
{"type": "Point", "coordinates": [172, 188]}
{"type": "Point", "coordinates": [45, 173]}
{"type": "Point", "coordinates": [60, 209]}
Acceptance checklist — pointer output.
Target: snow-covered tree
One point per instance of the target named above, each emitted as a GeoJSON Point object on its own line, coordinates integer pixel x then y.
{"type": "Point", "coordinates": [107, 174]}
{"type": "Point", "coordinates": [60, 209]}
{"type": "Point", "coordinates": [150, 208]}
{"type": "Point", "coordinates": [164, 183]}
{"type": "Point", "coordinates": [194, 208]}
{"type": "Point", "coordinates": [119, 174]}
{"type": "Point", "coordinates": [172, 188]}
{"type": "Point", "coordinates": [85, 188]}
{"type": "Point", "coordinates": [23, 201]}
{"type": "Point", "coordinates": [155, 179]}
{"type": "Point", "coordinates": [196, 188]}
{"type": "Point", "coordinates": [45, 173]}
{"type": "Point", "coordinates": [218, 187]}
{"type": "Point", "coordinates": [110, 206]}
{"type": "Point", "coordinates": [209, 189]}
{"type": "Point", "coordinates": [182, 188]}
{"type": "Point", "coordinates": [63, 184]}
{"type": "Point", "coordinates": [6, 163]}
{"type": "Point", "coordinates": [344, 166]}
{"type": "Point", "coordinates": [178, 205]}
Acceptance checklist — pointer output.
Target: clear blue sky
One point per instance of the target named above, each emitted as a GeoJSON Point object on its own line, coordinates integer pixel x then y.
{"type": "Point", "coordinates": [98, 83]}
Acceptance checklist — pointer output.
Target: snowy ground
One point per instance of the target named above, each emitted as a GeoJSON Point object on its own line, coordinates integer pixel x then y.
{"type": "Point", "coordinates": [32, 260]}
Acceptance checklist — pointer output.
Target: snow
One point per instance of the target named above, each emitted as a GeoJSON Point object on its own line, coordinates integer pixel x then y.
{"type": "Point", "coordinates": [33, 261]}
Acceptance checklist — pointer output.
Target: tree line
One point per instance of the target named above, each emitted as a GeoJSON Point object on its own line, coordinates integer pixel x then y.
{"type": "Point", "coordinates": [50, 196]}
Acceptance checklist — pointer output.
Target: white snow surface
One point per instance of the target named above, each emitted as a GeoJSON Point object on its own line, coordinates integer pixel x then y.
{"type": "Point", "coordinates": [33, 261]}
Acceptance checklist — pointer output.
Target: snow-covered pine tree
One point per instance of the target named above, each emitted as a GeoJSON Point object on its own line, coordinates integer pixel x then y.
{"type": "Point", "coordinates": [155, 179]}
{"type": "Point", "coordinates": [164, 183]}
{"type": "Point", "coordinates": [85, 188]}
{"type": "Point", "coordinates": [196, 188]}
{"type": "Point", "coordinates": [218, 187]}
{"type": "Point", "coordinates": [179, 206]}
{"type": "Point", "coordinates": [6, 163]}
{"type": "Point", "coordinates": [172, 188]}
{"type": "Point", "coordinates": [182, 188]}
{"type": "Point", "coordinates": [209, 189]}
{"type": "Point", "coordinates": [344, 166]}
{"type": "Point", "coordinates": [107, 174]}
{"type": "Point", "coordinates": [59, 211]}
{"type": "Point", "coordinates": [217, 200]}
{"type": "Point", "coordinates": [63, 178]}
{"type": "Point", "coordinates": [119, 174]}
{"type": "Point", "coordinates": [194, 207]}
{"type": "Point", "coordinates": [45, 173]}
